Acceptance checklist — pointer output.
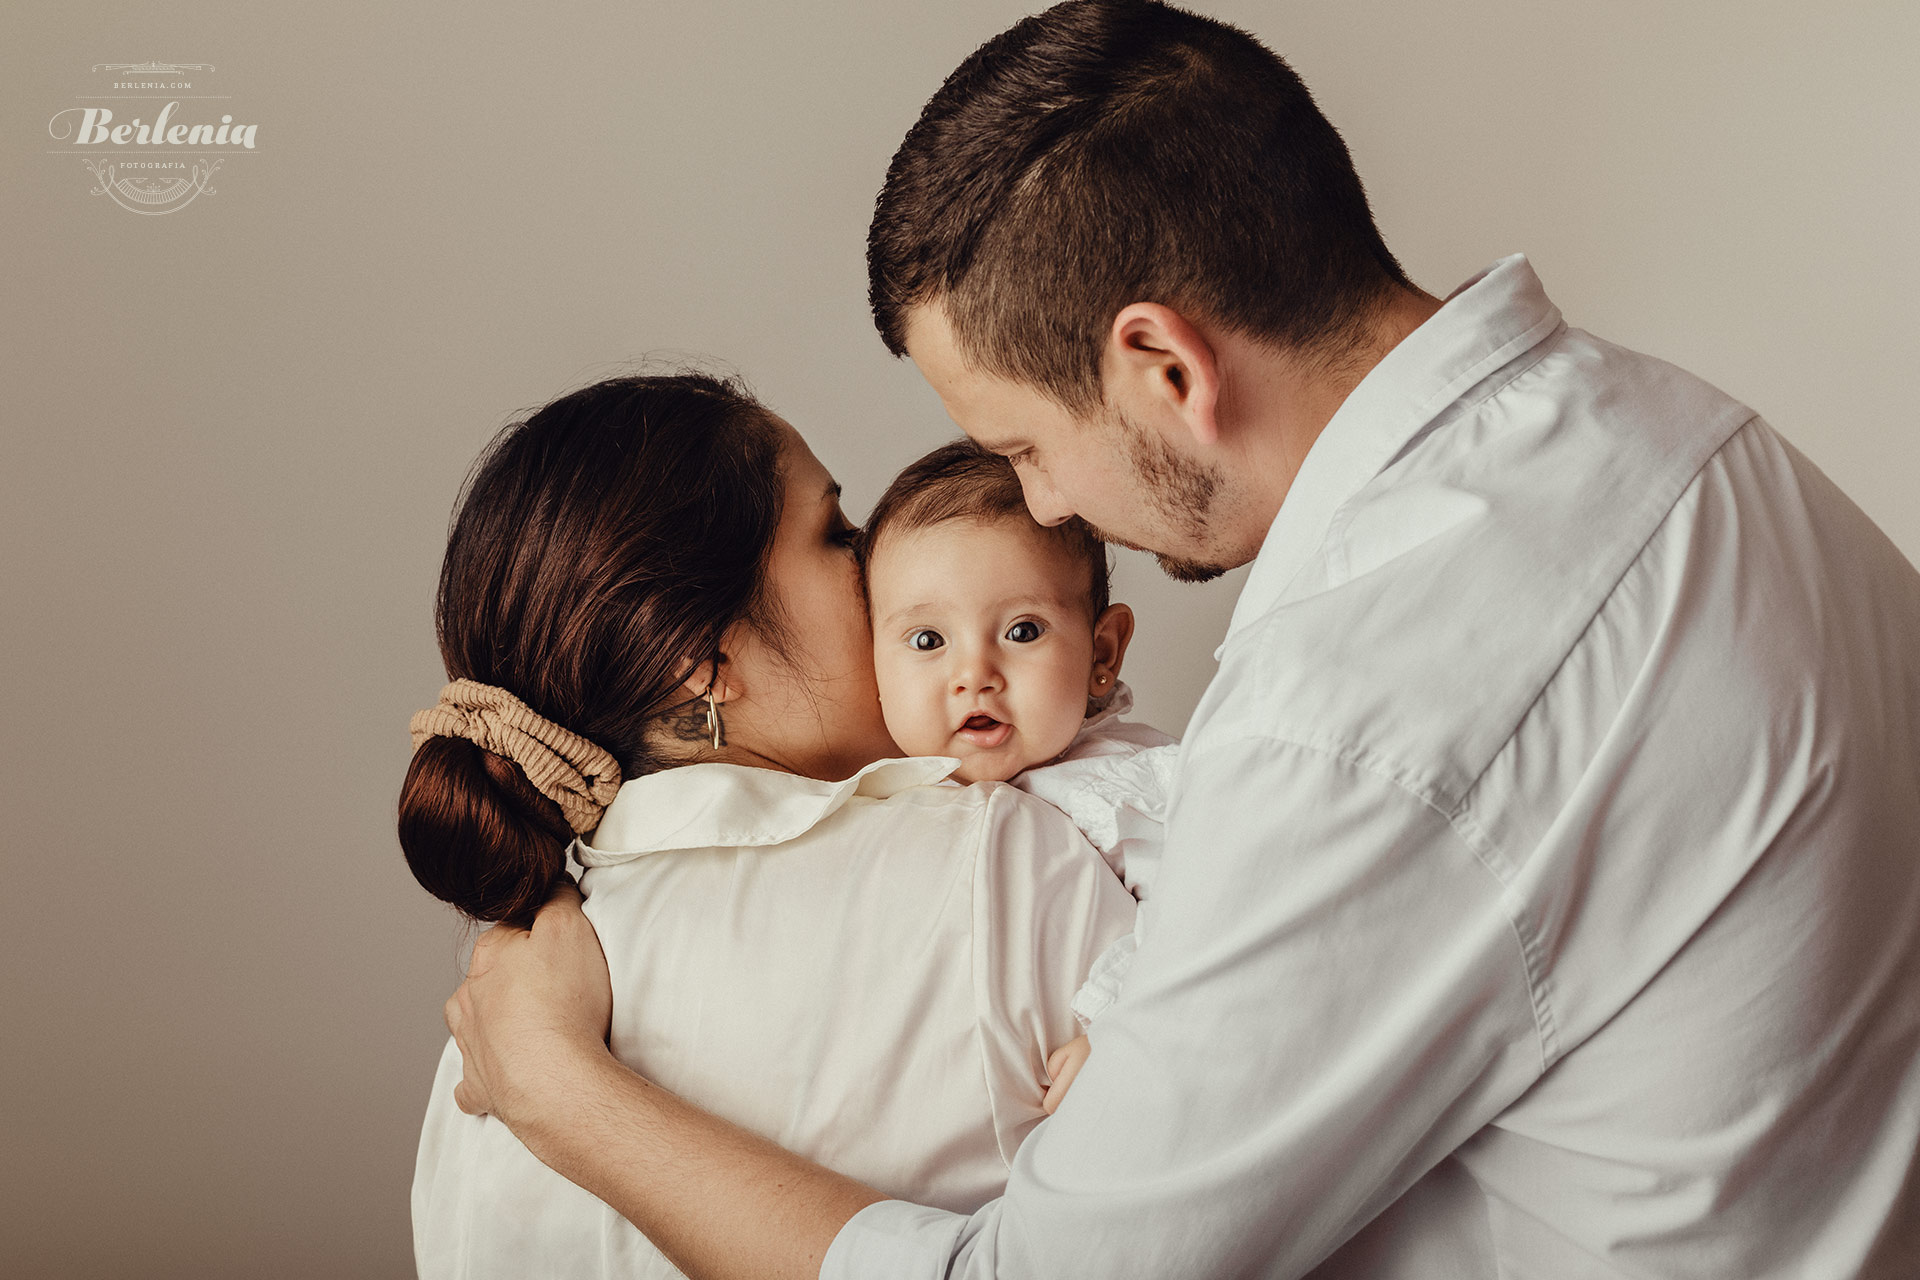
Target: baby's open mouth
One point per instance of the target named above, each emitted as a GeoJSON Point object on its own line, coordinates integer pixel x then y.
{"type": "Point", "coordinates": [983, 731]}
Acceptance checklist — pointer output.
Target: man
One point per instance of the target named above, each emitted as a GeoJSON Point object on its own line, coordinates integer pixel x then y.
{"type": "Point", "coordinates": [1542, 893]}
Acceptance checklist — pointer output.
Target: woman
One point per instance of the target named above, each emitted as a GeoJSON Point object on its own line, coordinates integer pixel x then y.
{"type": "Point", "coordinates": [651, 580]}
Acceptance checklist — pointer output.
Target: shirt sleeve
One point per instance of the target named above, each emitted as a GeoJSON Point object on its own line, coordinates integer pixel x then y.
{"type": "Point", "coordinates": [1109, 973]}
{"type": "Point", "coordinates": [1116, 793]}
{"type": "Point", "coordinates": [1333, 997]}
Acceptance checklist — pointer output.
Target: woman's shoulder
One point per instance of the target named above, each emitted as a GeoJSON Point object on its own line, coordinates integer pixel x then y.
{"type": "Point", "coordinates": [882, 831]}
{"type": "Point", "coordinates": [989, 807]}
{"type": "Point", "coordinates": [888, 839]}
{"type": "Point", "coordinates": [987, 831]}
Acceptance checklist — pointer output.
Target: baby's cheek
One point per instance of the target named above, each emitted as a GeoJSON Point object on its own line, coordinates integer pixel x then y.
{"type": "Point", "coordinates": [1065, 712]}
{"type": "Point", "coordinates": [906, 719]}
{"type": "Point", "coordinates": [916, 738]}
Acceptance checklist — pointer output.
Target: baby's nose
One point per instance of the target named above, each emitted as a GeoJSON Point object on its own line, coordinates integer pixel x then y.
{"type": "Point", "coordinates": [975, 675]}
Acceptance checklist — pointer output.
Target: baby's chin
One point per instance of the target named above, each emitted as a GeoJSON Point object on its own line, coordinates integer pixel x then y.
{"type": "Point", "coordinates": [1000, 764]}
{"type": "Point", "coordinates": [990, 767]}
{"type": "Point", "coordinates": [975, 765]}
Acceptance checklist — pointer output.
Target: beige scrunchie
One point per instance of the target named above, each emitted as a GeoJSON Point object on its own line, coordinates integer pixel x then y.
{"type": "Point", "coordinates": [562, 765]}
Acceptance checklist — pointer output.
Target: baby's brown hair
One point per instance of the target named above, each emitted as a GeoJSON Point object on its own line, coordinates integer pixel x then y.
{"type": "Point", "coordinates": [962, 481]}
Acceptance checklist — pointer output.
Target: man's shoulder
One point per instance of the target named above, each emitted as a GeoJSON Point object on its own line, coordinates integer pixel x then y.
{"type": "Point", "coordinates": [1450, 589]}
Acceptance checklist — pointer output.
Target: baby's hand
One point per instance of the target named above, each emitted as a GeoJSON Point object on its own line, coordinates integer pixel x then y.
{"type": "Point", "coordinates": [1062, 1067]}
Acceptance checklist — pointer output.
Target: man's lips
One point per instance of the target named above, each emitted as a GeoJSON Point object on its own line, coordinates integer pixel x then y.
{"type": "Point", "coordinates": [983, 731]}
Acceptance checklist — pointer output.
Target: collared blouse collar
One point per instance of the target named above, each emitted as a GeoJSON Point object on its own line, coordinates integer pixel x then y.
{"type": "Point", "coordinates": [702, 806]}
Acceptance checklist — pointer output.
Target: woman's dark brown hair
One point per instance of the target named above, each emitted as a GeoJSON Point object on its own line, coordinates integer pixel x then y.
{"type": "Point", "coordinates": [602, 546]}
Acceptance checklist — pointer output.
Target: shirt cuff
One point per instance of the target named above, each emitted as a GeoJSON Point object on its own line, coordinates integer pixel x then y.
{"type": "Point", "coordinates": [1103, 983]}
{"type": "Point", "coordinates": [894, 1240]}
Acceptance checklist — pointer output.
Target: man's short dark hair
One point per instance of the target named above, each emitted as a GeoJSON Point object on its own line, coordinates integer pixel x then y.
{"type": "Point", "coordinates": [1107, 152]}
{"type": "Point", "coordinates": [962, 481]}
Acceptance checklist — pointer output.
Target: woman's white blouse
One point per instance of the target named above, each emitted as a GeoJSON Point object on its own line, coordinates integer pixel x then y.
{"type": "Point", "coordinates": [1113, 781]}
{"type": "Point", "coordinates": [870, 973]}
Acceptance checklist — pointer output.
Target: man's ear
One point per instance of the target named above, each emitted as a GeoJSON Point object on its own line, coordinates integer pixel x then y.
{"type": "Point", "coordinates": [1112, 631]}
{"type": "Point", "coordinates": [1157, 359]}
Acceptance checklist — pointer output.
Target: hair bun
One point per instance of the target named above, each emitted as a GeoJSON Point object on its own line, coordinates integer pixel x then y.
{"type": "Point", "coordinates": [563, 766]}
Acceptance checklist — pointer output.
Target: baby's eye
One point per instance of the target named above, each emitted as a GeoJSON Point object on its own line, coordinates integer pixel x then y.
{"type": "Point", "coordinates": [926, 640]}
{"type": "Point", "coordinates": [1024, 632]}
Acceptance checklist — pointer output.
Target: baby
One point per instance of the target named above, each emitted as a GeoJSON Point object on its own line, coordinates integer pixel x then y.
{"type": "Point", "coordinates": [994, 642]}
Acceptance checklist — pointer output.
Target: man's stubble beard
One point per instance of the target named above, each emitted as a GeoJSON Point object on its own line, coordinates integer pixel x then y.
{"type": "Point", "coordinates": [1179, 491]}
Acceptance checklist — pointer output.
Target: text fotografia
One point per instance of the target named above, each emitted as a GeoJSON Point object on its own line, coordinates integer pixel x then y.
{"type": "Point", "coordinates": [152, 164]}
{"type": "Point", "coordinates": [96, 128]}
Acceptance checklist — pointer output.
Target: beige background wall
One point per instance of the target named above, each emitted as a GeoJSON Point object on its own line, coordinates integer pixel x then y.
{"type": "Point", "coordinates": [231, 438]}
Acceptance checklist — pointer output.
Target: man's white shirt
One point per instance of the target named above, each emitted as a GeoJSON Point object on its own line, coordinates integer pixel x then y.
{"type": "Point", "coordinates": [1541, 894]}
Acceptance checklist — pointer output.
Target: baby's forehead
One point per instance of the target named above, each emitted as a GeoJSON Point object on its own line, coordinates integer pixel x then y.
{"type": "Point", "coordinates": [1011, 541]}
{"type": "Point", "coordinates": [1013, 556]}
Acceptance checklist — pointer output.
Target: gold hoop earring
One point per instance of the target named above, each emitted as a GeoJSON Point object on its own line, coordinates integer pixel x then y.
{"type": "Point", "coordinates": [714, 726]}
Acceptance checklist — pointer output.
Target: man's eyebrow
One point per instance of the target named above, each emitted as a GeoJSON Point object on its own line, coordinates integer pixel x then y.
{"type": "Point", "coordinates": [1005, 447]}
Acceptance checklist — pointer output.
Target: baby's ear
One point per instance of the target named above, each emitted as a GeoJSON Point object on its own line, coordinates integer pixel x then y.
{"type": "Point", "coordinates": [1112, 631]}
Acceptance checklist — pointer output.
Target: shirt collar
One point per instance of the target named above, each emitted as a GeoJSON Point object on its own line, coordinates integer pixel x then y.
{"type": "Point", "coordinates": [704, 806]}
{"type": "Point", "coordinates": [1484, 324]}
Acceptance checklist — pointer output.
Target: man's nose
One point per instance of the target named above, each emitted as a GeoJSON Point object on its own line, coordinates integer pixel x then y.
{"type": "Point", "coordinates": [1044, 502]}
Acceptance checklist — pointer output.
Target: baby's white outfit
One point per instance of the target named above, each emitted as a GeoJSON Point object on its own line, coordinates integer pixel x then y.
{"type": "Point", "coordinates": [1112, 781]}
